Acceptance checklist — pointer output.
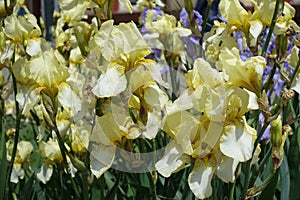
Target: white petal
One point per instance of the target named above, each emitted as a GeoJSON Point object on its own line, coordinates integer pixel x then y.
{"type": "Point", "coordinates": [187, 131]}
{"type": "Point", "coordinates": [33, 47]}
{"type": "Point", "coordinates": [153, 125]}
{"type": "Point", "coordinates": [184, 102]}
{"type": "Point", "coordinates": [200, 180]}
{"type": "Point", "coordinates": [252, 105]}
{"type": "Point", "coordinates": [45, 173]}
{"type": "Point", "coordinates": [255, 29]}
{"type": "Point", "coordinates": [102, 157]}
{"type": "Point", "coordinates": [171, 161]}
{"type": "Point", "coordinates": [237, 141]}
{"type": "Point", "coordinates": [127, 5]}
{"type": "Point", "coordinates": [110, 84]}
{"type": "Point", "coordinates": [17, 172]}
{"type": "Point", "coordinates": [28, 98]}
{"type": "Point", "coordinates": [296, 84]}
{"type": "Point", "coordinates": [69, 99]}
{"type": "Point", "coordinates": [226, 170]}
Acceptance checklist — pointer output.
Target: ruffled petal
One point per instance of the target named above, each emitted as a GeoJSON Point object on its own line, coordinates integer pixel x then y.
{"type": "Point", "coordinates": [200, 179]}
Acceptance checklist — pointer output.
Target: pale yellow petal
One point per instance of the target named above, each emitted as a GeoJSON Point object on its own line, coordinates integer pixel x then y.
{"type": "Point", "coordinates": [111, 83]}
{"type": "Point", "coordinates": [200, 179]}
{"type": "Point", "coordinates": [237, 141]}
{"type": "Point", "coordinates": [45, 173]}
{"type": "Point", "coordinates": [101, 158]}
{"type": "Point", "coordinates": [171, 161]}
{"type": "Point", "coordinates": [226, 169]}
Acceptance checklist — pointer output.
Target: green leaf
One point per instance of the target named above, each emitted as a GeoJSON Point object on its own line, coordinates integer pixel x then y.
{"type": "Point", "coordinates": [293, 162]}
{"type": "Point", "coordinates": [269, 191]}
{"type": "Point", "coordinates": [35, 161]}
{"type": "Point", "coordinates": [284, 179]}
{"type": "Point", "coordinates": [27, 190]}
{"type": "Point", "coordinates": [3, 164]}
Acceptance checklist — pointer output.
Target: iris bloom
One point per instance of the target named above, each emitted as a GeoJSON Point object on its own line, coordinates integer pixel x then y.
{"type": "Point", "coordinates": [24, 149]}
{"type": "Point", "coordinates": [216, 137]}
{"type": "Point", "coordinates": [124, 49]}
{"type": "Point", "coordinates": [51, 153]}
{"type": "Point", "coordinates": [140, 115]}
{"type": "Point", "coordinates": [246, 74]}
{"type": "Point", "coordinates": [167, 31]}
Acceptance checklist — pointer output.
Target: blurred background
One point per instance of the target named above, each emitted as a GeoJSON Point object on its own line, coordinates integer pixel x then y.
{"type": "Point", "coordinates": [45, 8]}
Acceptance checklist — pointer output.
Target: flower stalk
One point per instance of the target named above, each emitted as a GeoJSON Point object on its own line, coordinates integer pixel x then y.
{"type": "Point", "coordinates": [273, 22]}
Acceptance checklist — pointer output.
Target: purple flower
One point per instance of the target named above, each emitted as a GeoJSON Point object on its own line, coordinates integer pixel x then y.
{"type": "Point", "coordinates": [184, 17]}
{"type": "Point", "coordinates": [267, 134]}
{"type": "Point", "coordinates": [191, 42]}
{"type": "Point", "coordinates": [244, 53]}
{"type": "Point", "coordinates": [198, 19]}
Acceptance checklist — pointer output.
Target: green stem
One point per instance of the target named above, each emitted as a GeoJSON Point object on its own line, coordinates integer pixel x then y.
{"type": "Point", "coordinates": [259, 188]}
{"type": "Point", "coordinates": [261, 167]}
{"type": "Point", "coordinates": [248, 163]}
{"type": "Point", "coordinates": [61, 144]}
{"type": "Point", "coordinates": [17, 127]}
{"type": "Point", "coordinates": [3, 166]}
{"type": "Point", "coordinates": [154, 173]}
{"type": "Point", "coordinates": [204, 23]}
{"type": "Point", "coordinates": [75, 188]}
{"type": "Point", "coordinates": [231, 196]}
{"type": "Point", "coordinates": [109, 12]}
{"type": "Point", "coordinates": [273, 22]}
{"type": "Point", "coordinates": [85, 188]}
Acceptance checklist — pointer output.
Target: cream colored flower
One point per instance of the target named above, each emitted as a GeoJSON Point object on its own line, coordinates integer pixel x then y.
{"type": "Point", "coordinates": [24, 149]}
{"type": "Point", "coordinates": [246, 74]}
{"type": "Point", "coordinates": [20, 28]}
{"type": "Point", "coordinates": [167, 31]}
{"type": "Point", "coordinates": [124, 48]}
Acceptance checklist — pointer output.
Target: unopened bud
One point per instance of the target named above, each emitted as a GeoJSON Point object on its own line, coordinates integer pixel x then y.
{"type": "Point", "coordinates": [77, 163]}
{"type": "Point", "coordinates": [47, 118]}
{"type": "Point", "coordinates": [276, 132]}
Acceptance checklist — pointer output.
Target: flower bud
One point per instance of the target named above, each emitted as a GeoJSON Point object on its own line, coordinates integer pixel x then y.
{"type": "Point", "coordinates": [77, 163]}
{"type": "Point", "coordinates": [10, 132]}
{"type": "Point", "coordinates": [276, 132]}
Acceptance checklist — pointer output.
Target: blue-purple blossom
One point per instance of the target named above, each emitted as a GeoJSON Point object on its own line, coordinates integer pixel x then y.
{"type": "Point", "coordinates": [267, 134]}
{"type": "Point", "coordinates": [198, 19]}
{"type": "Point", "coordinates": [245, 53]}
{"type": "Point", "coordinates": [191, 42]}
{"type": "Point", "coordinates": [184, 17]}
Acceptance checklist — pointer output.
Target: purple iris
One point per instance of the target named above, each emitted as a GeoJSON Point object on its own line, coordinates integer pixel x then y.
{"type": "Point", "coordinates": [191, 42]}
{"type": "Point", "coordinates": [244, 53]}
{"type": "Point", "coordinates": [184, 18]}
{"type": "Point", "coordinates": [267, 134]}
